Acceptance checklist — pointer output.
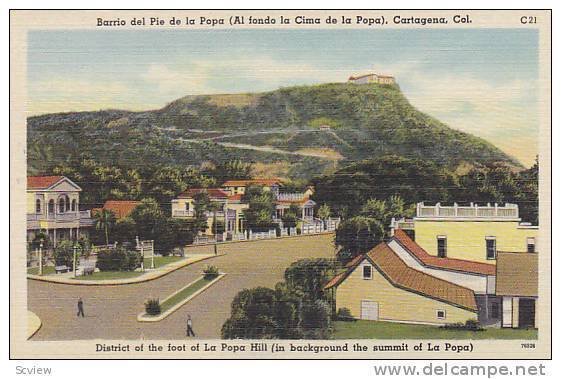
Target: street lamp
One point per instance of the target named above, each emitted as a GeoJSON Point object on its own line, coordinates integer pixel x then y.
{"type": "Point", "coordinates": [41, 257]}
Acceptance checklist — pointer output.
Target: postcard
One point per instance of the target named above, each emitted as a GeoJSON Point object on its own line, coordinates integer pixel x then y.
{"type": "Point", "coordinates": [252, 184]}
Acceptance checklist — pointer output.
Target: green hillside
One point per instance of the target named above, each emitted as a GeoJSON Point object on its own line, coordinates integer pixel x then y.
{"type": "Point", "coordinates": [366, 121]}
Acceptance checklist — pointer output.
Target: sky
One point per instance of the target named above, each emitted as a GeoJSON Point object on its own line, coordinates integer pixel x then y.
{"type": "Point", "coordinates": [484, 82]}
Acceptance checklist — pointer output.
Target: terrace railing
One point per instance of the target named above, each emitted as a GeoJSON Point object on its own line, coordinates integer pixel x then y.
{"type": "Point", "coordinates": [508, 211]}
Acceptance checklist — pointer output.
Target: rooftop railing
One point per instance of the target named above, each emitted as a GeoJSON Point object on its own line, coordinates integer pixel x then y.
{"type": "Point", "coordinates": [508, 211]}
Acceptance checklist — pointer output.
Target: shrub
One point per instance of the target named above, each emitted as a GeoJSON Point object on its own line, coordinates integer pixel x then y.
{"type": "Point", "coordinates": [210, 272]}
{"type": "Point", "coordinates": [152, 307]}
{"type": "Point", "coordinates": [344, 314]}
{"type": "Point", "coordinates": [471, 325]}
{"type": "Point", "coordinates": [118, 259]}
{"type": "Point", "coordinates": [316, 320]}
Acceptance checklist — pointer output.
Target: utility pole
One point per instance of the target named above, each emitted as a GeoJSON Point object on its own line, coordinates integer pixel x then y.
{"type": "Point", "coordinates": [152, 242]}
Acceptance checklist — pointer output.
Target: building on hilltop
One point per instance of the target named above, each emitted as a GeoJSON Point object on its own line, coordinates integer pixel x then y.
{"type": "Point", "coordinates": [372, 78]}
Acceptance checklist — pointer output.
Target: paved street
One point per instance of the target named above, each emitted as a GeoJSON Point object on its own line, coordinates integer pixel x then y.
{"type": "Point", "coordinates": [111, 310]}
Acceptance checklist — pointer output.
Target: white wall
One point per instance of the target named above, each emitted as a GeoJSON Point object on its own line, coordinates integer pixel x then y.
{"type": "Point", "coordinates": [477, 283]}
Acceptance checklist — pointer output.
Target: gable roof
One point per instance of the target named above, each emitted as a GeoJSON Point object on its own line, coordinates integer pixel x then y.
{"type": "Point", "coordinates": [248, 182]}
{"type": "Point", "coordinates": [400, 275]}
{"type": "Point", "coordinates": [121, 208]}
{"type": "Point", "coordinates": [517, 274]}
{"type": "Point", "coordinates": [213, 193]}
{"type": "Point", "coordinates": [46, 182]}
{"type": "Point", "coordinates": [452, 264]}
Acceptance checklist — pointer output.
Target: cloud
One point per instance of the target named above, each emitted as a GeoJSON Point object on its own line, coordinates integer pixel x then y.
{"type": "Point", "coordinates": [234, 74]}
{"type": "Point", "coordinates": [67, 94]}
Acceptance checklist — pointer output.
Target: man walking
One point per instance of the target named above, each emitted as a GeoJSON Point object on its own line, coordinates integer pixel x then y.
{"type": "Point", "coordinates": [190, 331]}
{"type": "Point", "coordinates": [80, 308]}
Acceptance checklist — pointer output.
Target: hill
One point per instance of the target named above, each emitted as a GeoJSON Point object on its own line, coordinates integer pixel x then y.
{"type": "Point", "coordinates": [303, 131]}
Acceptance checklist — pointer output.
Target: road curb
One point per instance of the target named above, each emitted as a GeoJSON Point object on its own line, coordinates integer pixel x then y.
{"type": "Point", "coordinates": [142, 317]}
{"type": "Point", "coordinates": [34, 323]}
{"type": "Point", "coordinates": [116, 282]}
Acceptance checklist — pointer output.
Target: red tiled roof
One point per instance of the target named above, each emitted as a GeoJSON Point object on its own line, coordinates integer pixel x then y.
{"type": "Point", "coordinates": [402, 276]}
{"type": "Point", "coordinates": [248, 182]}
{"type": "Point", "coordinates": [442, 263]}
{"type": "Point", "coordinates": [236, 197]}
{"type": "Point", "coordinates": [213, 193]}
{"type": "Point", "coordinates": [335, 280]}
{"type": "Point", "coordinates": [121, 208]}
{"type": "Point", "coordinates": [42, 182]}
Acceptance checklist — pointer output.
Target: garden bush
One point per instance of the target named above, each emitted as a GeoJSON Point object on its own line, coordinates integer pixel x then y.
{"type": "Point", "coordinates": [152, 307]}
{"type": "Point", "coordinates": [210, 272]}
{"type": "Point", "coordinates": [471, 325]}
{"type": "Point", "coordinates": [118, 259]}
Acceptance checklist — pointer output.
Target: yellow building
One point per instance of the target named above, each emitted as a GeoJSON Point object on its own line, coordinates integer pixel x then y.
{"type": "Point", "coordinates": [53, 208]}
{"type": "Point", "coordinates": [238, 187]}
{"type": "Point", "coordinates": [230, 209]}
{"type": "Point", "coordinates": [381, 286]}
{"type": "Point", "coordinates": [474, 233]}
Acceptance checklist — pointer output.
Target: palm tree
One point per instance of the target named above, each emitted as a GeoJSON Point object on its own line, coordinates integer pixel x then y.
{"type": "Point", "coordinates": [104, 220]}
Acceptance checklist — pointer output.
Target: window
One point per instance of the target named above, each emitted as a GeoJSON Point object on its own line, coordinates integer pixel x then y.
{"type": "Point", "coordinates": [531, 244]}
{"type": "Point", "coordinates": [37, 206]}
{"type": "Point", "coordinates": [367, 272]}
{"type": "Point", "coordinates": [491, 247]}
{"type": "Point", "coordinates": [441, 246]}
{"type": "Point", "coordinates": [187, 205]}
{"type": "Point", "coordinates": [441, 314]}
{"type": "Point", "coordinates": [61, 205]}
{"type": "Point", "coordinates": [67, 202]}
{"type": "Point", "coordinates": [51, 206]}
{"type": "Point", "coordinates": [74, 208]}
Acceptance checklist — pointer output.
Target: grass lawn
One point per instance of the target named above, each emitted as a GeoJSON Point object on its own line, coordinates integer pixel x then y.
{"type": "Point", "coordinates": [185, 293]}
{"type": "Point", "coordinates": [389, 330]}
{"type": "Point", "coordinates": [47, 270]}
{"type": "Point", "coordinates": [108, 275]}
{"type": "Point", "coordinates": [160, 261]}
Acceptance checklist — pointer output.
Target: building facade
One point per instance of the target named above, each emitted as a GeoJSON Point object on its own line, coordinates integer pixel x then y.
{"type": "Point", "coordinates": [380, 286]}
{"type": "Point", "coordinates": [53, 208]}
{"type": "Point", "coordinates": [475, 232]}
{"type": "Point", "coordinates": [372, 78]}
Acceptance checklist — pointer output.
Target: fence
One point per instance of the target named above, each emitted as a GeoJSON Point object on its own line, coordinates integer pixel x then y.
{"type": "Point", "coordinates": [271, 233]}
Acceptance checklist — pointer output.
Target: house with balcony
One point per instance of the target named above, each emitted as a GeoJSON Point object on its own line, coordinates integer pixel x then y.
{"type": "Point", "coordinates": [232, 206]}
{"type": "Point", "coordinates": [53, 208]}
{"type": "Point", "coordinates": [230, 209]}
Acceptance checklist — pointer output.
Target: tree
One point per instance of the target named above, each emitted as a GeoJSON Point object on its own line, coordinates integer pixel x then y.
{"type": "Point", "coordinates": [252, 315]}
{"type": "Point", "coordinates": [201, 207]}
{"type": "Point", "coordinates": [148, 216]}
{"type": "Point", "coordinates": [308, 277]}
{"type": "Point", "coordinates": [324, 212]}
{"type": "Point", "coordinates": [261, 203]}
{"type": "Point", "coordinates": [357, 235]}
{"type": "Point", "coordinates": [64, 253]}
{"type": "Point", "coordinates": [232, 169]}
{"type": "Point", "coordinates": [290, 216]}
{"type": "Point", "coordinates": [104, 220]}
{"type": "Point", "coordinates": [125, 230]}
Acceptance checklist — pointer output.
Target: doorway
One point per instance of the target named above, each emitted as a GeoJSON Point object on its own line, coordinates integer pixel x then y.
{"type": "Point", "coordinates": [527, 313]}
